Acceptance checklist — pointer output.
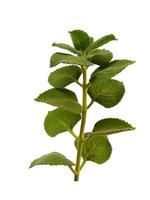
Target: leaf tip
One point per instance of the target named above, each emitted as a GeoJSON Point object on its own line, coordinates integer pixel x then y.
{"type": "Point", "coordinates": [133, 128]}
{"type": "Point", "coordinates": [31, 165]}
{"type": "Point", "coordinates": [36, 99]}
{"type": "Point", "coordinates": [114, 37]}
{"type": "Point", "coordinates": [53, 44]}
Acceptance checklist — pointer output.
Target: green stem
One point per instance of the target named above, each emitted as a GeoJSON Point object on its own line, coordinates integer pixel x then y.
{"type": "Point", "coordinates": [83, 120]}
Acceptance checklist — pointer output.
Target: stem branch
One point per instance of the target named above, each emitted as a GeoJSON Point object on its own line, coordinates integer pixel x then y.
{"type": "Point", "coordinates": [73, 133]}
{"type": "Point", "coordinates": [90, 104]}
{"type": "Point", "coordinates": [82, 164]}
{"type": "Point", "coordinates": [78, 83]}
{"type": "Point", "coordinates": [71, 168]}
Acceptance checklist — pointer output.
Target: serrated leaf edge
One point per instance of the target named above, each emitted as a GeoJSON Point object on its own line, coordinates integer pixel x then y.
{"type": "Point", "coordinates": [121, 83]}
{"type": "Point", "coordinates": [118, 130]}
{"type": "Point", "coordinates": [51, 164]}
{"type": "Point", "coordinates": [70, 48]}
{"type": "Point", "coordinates": [67, 75]}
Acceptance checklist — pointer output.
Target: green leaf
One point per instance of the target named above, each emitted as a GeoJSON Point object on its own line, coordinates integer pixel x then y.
{"type": "Point", "coordinates": [108, 71]}
{"type": "Point", "coordinates": [100, 42]}
{"type": "Point", "coordinates": [91, 40]}
{"type": "Point", "coordinates": [66, 47]}
{"type": "Point", "coordinates": [81, 40]}
{"type": "Point", "coordinates": [111, 126]}
{"type": "Point", "coordinates": [107, 94]}
{"type": "Point", "coordinates": [53, 158]}
{"type": "Point", "coordinates": [59, 121]}
{"type": "Point", "coordinates": [62, 98]}
{"type": "Point", "coordinates": [100, 57]}
{"type": "Point", "coordinates": [97, 149]}
{"type": "Point", "coordinates": [64, 76]}
{"type": "Point", "coordinates": [58, 58]}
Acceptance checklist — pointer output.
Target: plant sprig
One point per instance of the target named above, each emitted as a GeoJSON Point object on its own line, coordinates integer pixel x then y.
{"type": "Point", "coordinates": [92, 146]}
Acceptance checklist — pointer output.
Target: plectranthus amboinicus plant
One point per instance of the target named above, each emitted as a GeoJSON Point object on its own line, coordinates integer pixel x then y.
{"type": "Point", "coordinates": [101, 87]}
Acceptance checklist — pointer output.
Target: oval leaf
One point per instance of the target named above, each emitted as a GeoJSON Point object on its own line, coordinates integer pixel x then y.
{"type": "Point", "coordinates": [111, 126]}
{"type": "Point", "coordinates": [53, 158]}
{"type": "Point", "coordinates": [62, 98]}
{"type": "Point", "coordinates": [58, 58]}
{"type": "Point", "coordinates": [103, 40]}
{"type": "Point", "coordinates": [66, 47]}
{"type": "Point", "coordinates": [97, 149]}
{"type": "Point", "coordinates": [107, 94]}
{"type": "Point", "coordinates": [100, 57]}
{"type": "Point", "coordinates": [80, 39]}
{"type": "Point", "coordinates": [64, 76]}
{"type": "Point", "coordinates": [108, 71]}
{"type": "Point", "coordinates": [59, 121]}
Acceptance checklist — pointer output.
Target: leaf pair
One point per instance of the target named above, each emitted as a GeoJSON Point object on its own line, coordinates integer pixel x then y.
{"type": "Point", "coordinates": [96, 56]}
{"type": "Point", "coordinates": [83, 43]}
{"type": "Point", "coordinates": [66, 116]}
{"type": "Point", "coordinates": [97, 147]}
{"type": "Point", "coordinates": [103, 89]}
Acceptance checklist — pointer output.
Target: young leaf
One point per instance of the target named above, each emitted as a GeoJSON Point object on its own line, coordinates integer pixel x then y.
{"type": "Point", "coordinates": [103, 40]}
{"type": "Point", "coordinates": [81, 40]}
{"type": "Point", "coordinates": [64, 76]}
{"type": "Point", "coordinates": [100, 56]}
{"type": "Point", "coordinates": [58, 58]}
{"type": "Point", "coordinates": [108, 71]}
{"type": "Point", "coordinates": [66, 47]}
{"type": "Point", "coordinates": [53, 158]}
{"type": "Point", "coordinates": [107, 94]}
{"type": "Point", "coordinates": [97, 149]}
{"type": "Point", "coordinates": [62, 98]}
{"type": "Point", "coordinates": [59, 121]}
{"type": "Point", "coordinates": [111, 126]}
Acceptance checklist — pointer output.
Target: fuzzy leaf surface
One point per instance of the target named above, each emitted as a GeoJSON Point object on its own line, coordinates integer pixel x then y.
{"type": "Point", "coordinates": [100, 56]}
{"type": "Point", "coordinates": [64, 76]}
{"type": "Point", "coordinates": [81, 40]}
{"type": "Point", "coordinates": [111, 125]}
{"type": "Point", "coordinates": [59, 121]}
{"type": "Point", "coordinates": [107, 94]}
{"type": "Point", "coordinates": [53, 158]}
{"type": "Point", "coordinates": [62, 98]}
{"type": "Point", "coordinates": [108, 71]}
{"type": "Point", "coordinates": [58, 58]}
{"type": "Point", "coordinates": [100, 42]}
{"type": "Point", "coordinates": [66, 47]}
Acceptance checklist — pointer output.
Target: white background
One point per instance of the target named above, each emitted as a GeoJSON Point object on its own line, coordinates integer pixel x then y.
{"type": "Point", "coordinates": [27, 30]}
